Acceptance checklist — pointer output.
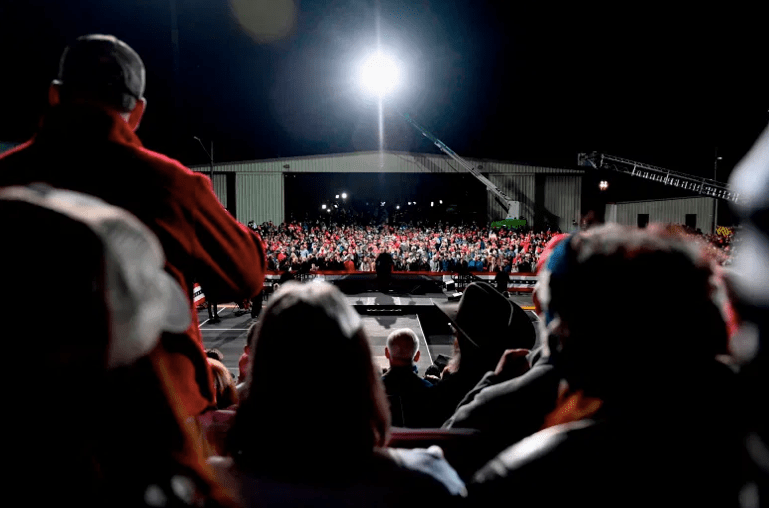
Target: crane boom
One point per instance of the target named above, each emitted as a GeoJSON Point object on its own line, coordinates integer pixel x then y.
{"type": "Point", "coordinates": [513, 207]}
{"type": "Point", "coordinates": [698, 184]}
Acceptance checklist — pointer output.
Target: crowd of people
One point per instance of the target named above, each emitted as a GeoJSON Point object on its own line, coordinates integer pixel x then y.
{"type": "Point", "coordinates": [618, 406]}
{"type": "Point", "coordinates": [306, 247]}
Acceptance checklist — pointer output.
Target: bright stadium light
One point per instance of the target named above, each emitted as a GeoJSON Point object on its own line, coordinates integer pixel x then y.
{"type": "Point", "coordinates": [344, 195]}
{"type": "Point", "coordinates": [603, 185]}
{"type": "Point", "coordinates": [322, 207]}
{"type": "Point", "coordinates": [379, 75]}
{"type": "Point", "coordinates": [336, 197]}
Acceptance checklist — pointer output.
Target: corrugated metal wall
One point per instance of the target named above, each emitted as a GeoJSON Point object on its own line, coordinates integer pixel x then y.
{"type": "Point", "coordinates": [260, 189]}
{"type": "Point", "coordinates": [260, 197]}
{"type": "Point", "coordinates": [563, 199]}
{"type": "Point", "coordinates": [379, 162]}
{"type": "Point", "coordinates": [668, 211]}
{"type": "Point", "coordinates": [220, 187]}
{"type": "Point", "coordinates": [519, 187]}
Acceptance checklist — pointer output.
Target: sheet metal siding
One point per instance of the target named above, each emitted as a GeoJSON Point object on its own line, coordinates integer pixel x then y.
{"type": "Point", "coordinates": [260, 197]}
{"type": "Point", "coordinates": [380, 162]}
{"type": "Point", "coordinates": [563, 199]}
{"type": "Point", "coordinates": [220, 188]}
{"type": "Point", "coordinates": [220, 183]}
{"type": "Point", "coordinates": [668, 211]}
{"type": "Point", "coordinates": [516, 180]}
{"type": "Point", "coordinates": [520, 187]}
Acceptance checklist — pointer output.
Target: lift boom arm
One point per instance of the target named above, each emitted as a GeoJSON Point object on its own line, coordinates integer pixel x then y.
{"type": "Point", "coordinates": [513, 207]}
{"type": "Point", "coordinates": [700, 185]}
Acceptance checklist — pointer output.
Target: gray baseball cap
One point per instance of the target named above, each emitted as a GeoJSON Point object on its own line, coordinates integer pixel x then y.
{"type": "Point", "coordinates": [105, 67]}
{"type": "Point", "coordinates": [142, 299]}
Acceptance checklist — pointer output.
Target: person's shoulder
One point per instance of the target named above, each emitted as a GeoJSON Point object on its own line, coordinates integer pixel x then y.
{"type": "Point", "coordinates": [168, 164]}
{"type": "Point", "coordinates": [542, 450]}
{"type": "Point", "coordinates": [427, 467]}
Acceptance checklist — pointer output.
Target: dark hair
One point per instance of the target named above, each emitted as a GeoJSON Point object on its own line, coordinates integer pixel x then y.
{"type": "Point", "coordinates": [626, 273]}
{"type": "Point", "coordinates": [329, 408]}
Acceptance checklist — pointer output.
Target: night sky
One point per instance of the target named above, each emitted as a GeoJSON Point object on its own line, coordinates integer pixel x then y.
{"type": "Point", "coordinates": [532, 85]}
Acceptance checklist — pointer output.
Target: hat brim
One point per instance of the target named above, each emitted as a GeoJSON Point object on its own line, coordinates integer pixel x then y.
{"type": "Point", "coordinates": [177, 312]}
{"type": "Point", "coordinates": [450, 310]}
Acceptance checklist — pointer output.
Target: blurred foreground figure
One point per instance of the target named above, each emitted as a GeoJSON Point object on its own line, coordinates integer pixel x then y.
{"type": "Point", "coordinates": [94, 420]}
{"type": "Point", "coordinates": [647, 415]}
{"type": "Point", "coordinates": [749, 281]}
{"type": "Point", "coordinates": [317, 435]}
{"type": "Point", "coordinates": [86, 143]}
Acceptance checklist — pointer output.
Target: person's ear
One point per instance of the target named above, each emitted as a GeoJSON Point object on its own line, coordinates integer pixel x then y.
{"type": "Point", "coordinates": [54, 93]}
{"type": "Point", "coordinates": [134, 119]}
{"type": "Point", "coordinates": [416, 356]}
{"type": "Point", "coordinates": [387, 353]}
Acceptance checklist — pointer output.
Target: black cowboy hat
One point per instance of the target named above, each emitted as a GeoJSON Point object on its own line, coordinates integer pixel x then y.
{"type": "Point", "coordinates": [488, 321]}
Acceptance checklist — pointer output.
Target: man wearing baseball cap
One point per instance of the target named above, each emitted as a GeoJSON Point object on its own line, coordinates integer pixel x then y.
{"type": "Point", "coordinates": [86, 143]}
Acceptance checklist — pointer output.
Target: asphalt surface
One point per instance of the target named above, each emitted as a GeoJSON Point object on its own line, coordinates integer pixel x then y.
{"type": "Point", "coordinates": [380, 313]}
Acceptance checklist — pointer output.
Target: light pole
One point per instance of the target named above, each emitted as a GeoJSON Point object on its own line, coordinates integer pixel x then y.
{"type": "Point", "coordinates": [210, 158]}
{"type": "Point", "coordinates": [716, 158]}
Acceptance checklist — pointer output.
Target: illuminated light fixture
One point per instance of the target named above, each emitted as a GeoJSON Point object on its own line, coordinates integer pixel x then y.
{"type": "Point", "coordinates": [397, 207]}
{"type": "Point", "coordinates": [322, 207]}
{"type": "Point", "coordinates": [432, 203]}
{"type": "Point", "coordinates": [336, 206]}
{"type": "Point", "coordinates": [379, 75]}
{"type": "Point", "coordinates": [381, 203]}
{"type": "Point", "coordinates": [344, 195]}
{"type": "Point", "coordinates": [440, 201]}
{"type": "Point", "coordinates": [603, 185]}
{"type": "Point", "coordinates": [337, 196]}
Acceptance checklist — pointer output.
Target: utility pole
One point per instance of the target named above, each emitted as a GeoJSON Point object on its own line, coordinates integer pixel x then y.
{"type": "Point", "coordinates": [211, 161]}
{"type": "Point", "coordinates": [210, 158]}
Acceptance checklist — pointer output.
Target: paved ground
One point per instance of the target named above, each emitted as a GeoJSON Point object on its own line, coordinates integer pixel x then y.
{"type": "Point", "coordinates": [381, 314]}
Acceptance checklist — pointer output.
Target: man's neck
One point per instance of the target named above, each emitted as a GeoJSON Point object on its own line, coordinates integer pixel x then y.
{"type": "Point", "coordinates": [404, 366]}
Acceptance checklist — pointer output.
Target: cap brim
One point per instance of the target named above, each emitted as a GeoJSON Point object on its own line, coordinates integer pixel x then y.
{"type": "Point", "coordinates": [177, 317]}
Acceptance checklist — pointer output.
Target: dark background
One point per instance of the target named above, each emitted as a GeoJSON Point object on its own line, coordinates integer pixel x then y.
{"type": "Point", "coordinates": [526, 84]}
{"type": "Point", "coordinates": [455, 198]}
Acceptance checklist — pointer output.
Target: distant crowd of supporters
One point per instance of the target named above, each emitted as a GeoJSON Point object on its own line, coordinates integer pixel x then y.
{"type": "Point", "coordinates": [306, 247]}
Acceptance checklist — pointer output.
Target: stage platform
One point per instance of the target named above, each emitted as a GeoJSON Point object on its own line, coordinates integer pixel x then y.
{"type": "Point", "coordinates": [381, 312]}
